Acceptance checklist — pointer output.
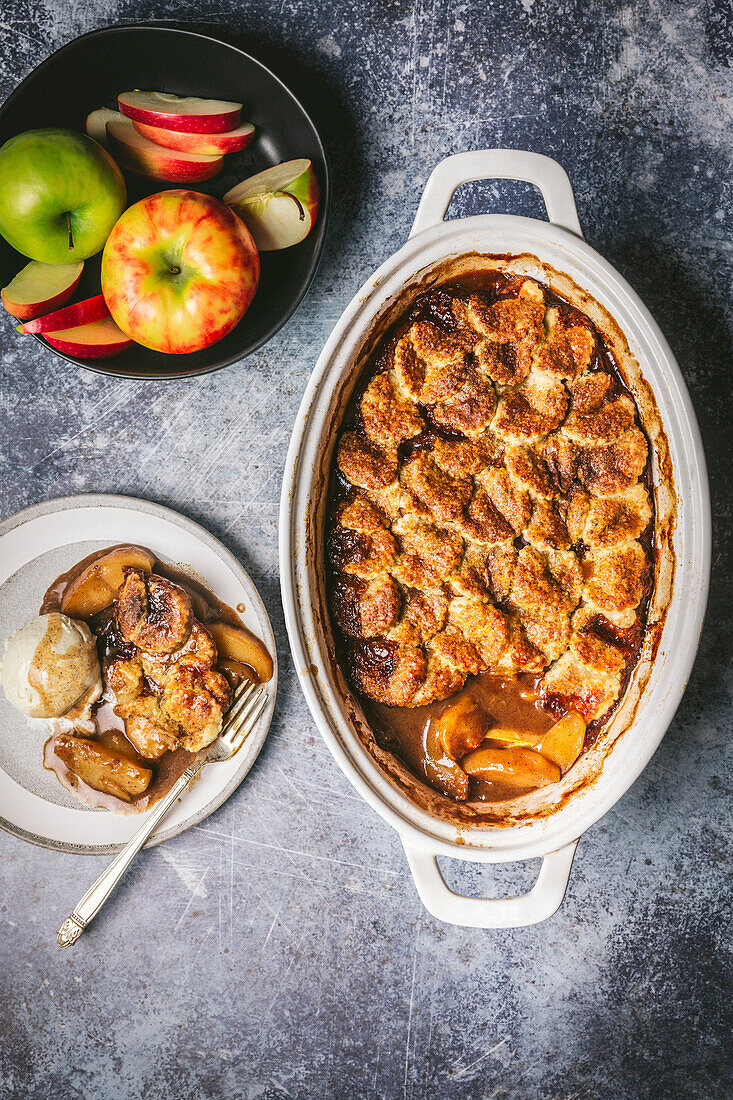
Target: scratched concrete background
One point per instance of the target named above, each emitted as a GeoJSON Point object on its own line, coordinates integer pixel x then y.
{"type": "Point", "coordinates": [279, 949]}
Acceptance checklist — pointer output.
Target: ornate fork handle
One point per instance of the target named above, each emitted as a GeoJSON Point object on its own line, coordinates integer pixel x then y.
{"type": "Point", "coordinates": [87, 909]}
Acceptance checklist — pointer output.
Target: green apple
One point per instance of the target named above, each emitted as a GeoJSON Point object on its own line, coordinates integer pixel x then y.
{"type": "Point", "coordinates": [60, 195]}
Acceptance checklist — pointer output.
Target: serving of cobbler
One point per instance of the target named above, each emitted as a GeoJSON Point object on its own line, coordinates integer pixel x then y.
{"type": "Point", "coordinates": [170, 655]}
{"type": "Point", "coordinates": [489, 538]}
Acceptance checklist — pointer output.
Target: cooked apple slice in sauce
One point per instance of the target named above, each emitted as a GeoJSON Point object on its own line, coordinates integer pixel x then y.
{"type": "Point", "coordinates": [461, 727]}
{"type": "Point", "coordinates": [442, 770]}
{"type": "Point", "coordinates": [236, 672]}
{"type": "Point", "coordinates": [516, 767]}
{"type": "Point", "coordinates": [564, 742]}
{"type": "Point", "coordinates": [102, 768]}
{"type": "Point", "coordinates": [517, 738]}
{"type": "Point", "coordinates": [96, 586]}
{"type": "Point", "coordinates": [237, 645]}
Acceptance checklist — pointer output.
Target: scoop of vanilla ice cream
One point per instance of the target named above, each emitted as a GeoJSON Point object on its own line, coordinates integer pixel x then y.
{"type": "Point", "coordinates": [49, 665]}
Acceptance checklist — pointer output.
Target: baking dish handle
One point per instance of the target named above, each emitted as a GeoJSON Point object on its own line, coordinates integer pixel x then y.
{"type": "Point", "coordinates": [540, 903]}
{"type": "Point", "coordinates": [505, 164]}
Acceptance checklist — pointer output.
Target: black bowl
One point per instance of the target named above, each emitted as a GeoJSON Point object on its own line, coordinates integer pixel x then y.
{"type": "Point", "coordinates": [90, 71]}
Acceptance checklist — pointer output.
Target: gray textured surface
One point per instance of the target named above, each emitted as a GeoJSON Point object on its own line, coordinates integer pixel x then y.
{"type": "Point", "coordinates": [280, 948]}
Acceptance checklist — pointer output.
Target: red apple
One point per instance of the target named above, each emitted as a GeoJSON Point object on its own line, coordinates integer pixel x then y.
{"type": "Point", "coordinates": [280, 205]}
{"type": "Point", "coordinates": [98, 340]}
{"type": "Point", "coordinates": [139, 154]}
{"type": "Point", "coordinates": [192, 115]}
{"type": "Point", "coordinates": [38, 288]}
{"type": "Point", "coordinates": [229, 142]}
{"type": "Point", "coordinates": [179, 271]}
{"type": "Point", "coordinates": [96, 124]}
{"type": "Point", "coordinates": [81, 313]}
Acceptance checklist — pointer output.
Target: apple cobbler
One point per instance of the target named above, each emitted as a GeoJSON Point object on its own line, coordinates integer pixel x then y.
{"type": "Point", "coordinates": [170, 654]}
{"type": "Point", "coordinates": [489, 539]}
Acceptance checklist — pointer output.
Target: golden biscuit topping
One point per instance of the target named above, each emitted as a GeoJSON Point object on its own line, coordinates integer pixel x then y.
{"type": "Point", "coordinates": [496, 513]}
{"type": "Point", "coordinates": [387, 417]}
{"type": "Point", "coordinates": [168, 692]}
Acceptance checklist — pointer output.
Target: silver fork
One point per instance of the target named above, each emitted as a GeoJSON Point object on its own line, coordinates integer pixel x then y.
{"type": "Point", "coordinates": [246, 708]}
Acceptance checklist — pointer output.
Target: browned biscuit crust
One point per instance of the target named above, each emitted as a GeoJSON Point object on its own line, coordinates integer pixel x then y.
{"type": "Point", "coordinates": [497, 508]}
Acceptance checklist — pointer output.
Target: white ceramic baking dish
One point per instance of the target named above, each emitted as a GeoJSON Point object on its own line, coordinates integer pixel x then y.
{"type": "Point", "coordinates": [546, 824]}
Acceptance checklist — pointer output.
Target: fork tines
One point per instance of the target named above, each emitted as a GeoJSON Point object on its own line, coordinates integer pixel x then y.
{"type": "Point", "coordinates": [249, 702]}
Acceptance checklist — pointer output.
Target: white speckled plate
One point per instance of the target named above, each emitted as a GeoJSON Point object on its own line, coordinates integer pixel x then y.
{"type": "Point", "coordinates": [38, 544]}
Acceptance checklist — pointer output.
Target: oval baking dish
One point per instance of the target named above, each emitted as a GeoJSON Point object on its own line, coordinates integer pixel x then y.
{"type": "Point", "coordinates": [548, 822]}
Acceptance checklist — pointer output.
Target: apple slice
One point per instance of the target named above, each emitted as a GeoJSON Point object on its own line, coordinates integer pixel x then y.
{"type": "Point", "coordinates": [38, 288]}
{"type": "Point", "coordinates": [96, 586]}
{"type": "Point", "coordinates": [102, 768]}
{"type": "Point", "coordinates": [236, 672]}
{"type": "Point", "coordinates": [172, 112]}
{"type": "Point", "coordinates": [81, 313]}
{"type": "Point", "coordinates": [563, 744]}
{"type": "Point", "coordinates": [236, 643]}
{"type": "Point", "coordinates": [231, 141]}
{"type": "Point", "coordinates": [98, 340]}
{"type": "Point", "coordinates": [280, 205]}
{"type": "Point", "coordinates": [518, 738]}
{"type": "Point", "coordinates": [139, 154]}
{"type": "Point", "coordinates": [441, 770]}
{"type": "Point", "coordinates": [515, 767]}
{"type": "Point", "coordinates": [96, 124]}
{"type": "Point", "coordinates": [461, 727]}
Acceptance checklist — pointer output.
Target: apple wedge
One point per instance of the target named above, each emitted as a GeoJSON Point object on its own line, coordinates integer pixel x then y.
{"type": "Point", "coordinates": [235, 643]}
{"type": "Point", "coordinates": [187, 113]}
{"type": "Point", "coordinates": [442, 770]}
{"type": "Point", "coordinates": [102, 768]}
{"type": "Point", "coordinates": [516, 738]}
{"type": "Point", "coordinates": [96, 124]}
{"type": "Point", "coordinates": [98, 340]}
{"type": "Point", "coordinates": [96, 586]}
{"type": "Point", "coordinates": [141, 155]}
{"type": "Point", "coordinates": [81, 313]}
{"type": "Point", "coordinates": [461, 727]}
{"type": "Point", "coordinates": [231, 141]}
{"type": "Point", "coordinates": [563, 744]}
{"type": "Point", "coordinates": [38, 288]}
{"type": "Point", "coordinates": [279, 206]}
{"type": "Point", "coordinates": [515, 767]}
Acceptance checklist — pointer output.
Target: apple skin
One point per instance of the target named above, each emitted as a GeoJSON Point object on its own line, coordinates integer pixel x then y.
{"type": "Point", "coordinates": [137, 153]}
{"type": "Point", "coordinates": [46, 175]}
{"type": "Point", "coordinates": [97, 340]}
{"type": "Point", "coordinates": [61, 279]}
{"type": "Point", "coordinates": [308, 193]}
{"type": "Point", "coordinates": [179, 271]}
{"type": "Point", "coordinates": [211, 144]}
{"type": "Point", "coordinates": [188, 113]}
{"type": "Point", "coordinates": [81, 313]}
{"type": "Point", "coordinates": [279, 209]}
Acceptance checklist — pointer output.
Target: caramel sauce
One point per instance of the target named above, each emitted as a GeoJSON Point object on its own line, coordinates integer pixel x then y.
{"type": "Point", "coordinates": [507, 701]}
{"type": "Point", "coordinates": [108, 729]}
